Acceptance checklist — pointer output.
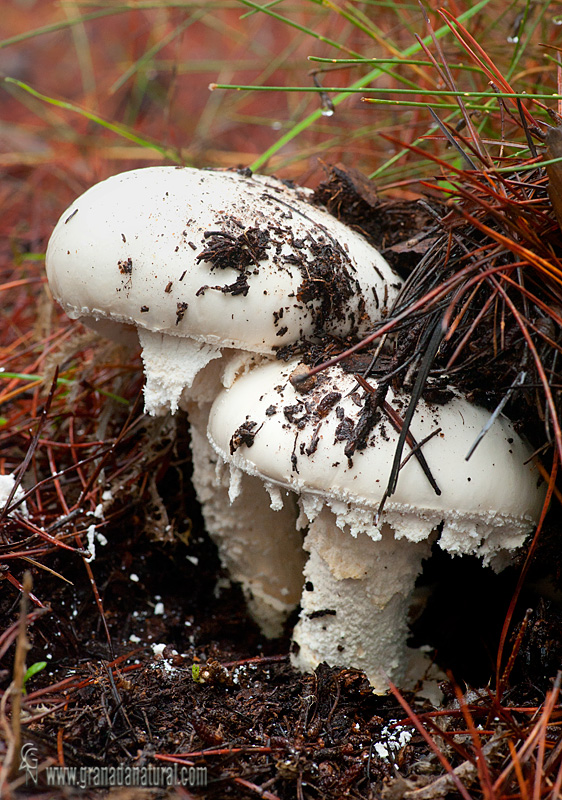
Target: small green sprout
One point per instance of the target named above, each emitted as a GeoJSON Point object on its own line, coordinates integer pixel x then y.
{"type": "Point", "coordinates": [31, 671]}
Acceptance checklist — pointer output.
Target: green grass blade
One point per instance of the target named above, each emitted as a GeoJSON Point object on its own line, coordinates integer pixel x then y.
{"type": "Point", "coordinates": [120, 130]}
{"type": "Point", "coordinates": [387, 90]}
{"type": "Point", "coordinates": [411, 62]}
{"type": "Point", "coordinates": [305, 123]}
{"type": "Point", "coordinates": [62, 25]}
{"type": "Point", "coordinates": [23, 376]}
{"type": "Point", "coordinates": [291, 23]}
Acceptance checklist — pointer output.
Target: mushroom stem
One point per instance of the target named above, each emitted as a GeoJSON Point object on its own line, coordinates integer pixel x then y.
{"type": "Point", "coordinates": [259, 547]}
{"type": "Point", "coordinates": [355, 600]}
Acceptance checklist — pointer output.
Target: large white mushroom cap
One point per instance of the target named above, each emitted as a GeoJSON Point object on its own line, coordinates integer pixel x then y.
{"type": "Point", "coordinates": [225, 258]}
{"type": "Point", "coordinates": [486, 505]}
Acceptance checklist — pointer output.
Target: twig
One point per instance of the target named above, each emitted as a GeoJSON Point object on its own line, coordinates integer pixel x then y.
{"type": "Point", "coordinates": [15, 692]}
{"type": "Point", "coordinates": [454, 778]}
{"type": "Point", "coordinates": [523, 574]}
{"type": "Point", "coordinates": [497, 411]}
{"type": "Point", "coordinates": [467, 771]}
{"type": "Point", "coordinates": [32, 447]}
{"type": "Point", "coordinates": [257, 789]}
{"type": "Point", "coordinates": [421, 378]}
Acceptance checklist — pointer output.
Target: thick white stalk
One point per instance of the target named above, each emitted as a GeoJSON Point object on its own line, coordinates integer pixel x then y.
{"type": "Point", "coordinates": [259, 547]}
{"type": "Point", "coordinates": [355, 601]}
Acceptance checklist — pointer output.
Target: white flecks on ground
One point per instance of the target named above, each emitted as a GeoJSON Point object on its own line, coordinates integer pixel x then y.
{"type": "Point", "coordinates": [381, 750]}
{"type": "Point", "coordinates": [92, 536]}
{"type": "Point", "coordinates": [91, 545]}
{"type": "Point", "coordinates": [392, 740]}
{"type": "Point", "coordinates": [163, 656]}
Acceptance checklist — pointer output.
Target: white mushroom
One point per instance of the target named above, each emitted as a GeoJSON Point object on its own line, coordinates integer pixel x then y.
{"type": "Point", "coordinates": [361, 572]}
{"type": "Point", "coordinates": [221, 258]}
{"type": "Point", "coordinates": [7, 483]}
{"type": "Point", "coordinates": [199, 266]}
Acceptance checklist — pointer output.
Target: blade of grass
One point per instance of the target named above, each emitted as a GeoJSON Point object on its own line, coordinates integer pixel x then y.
{"type": "Point", "coordinates": [156, 48]}
{"type": "Point", "coordinates": [305, 123]}
{"type": "Point", "coordinates": [396, 61]}
{"type": "Point", "coordinates": [448, 80]}
{"type": "Point", "coordinates": [522, 44]}
{"type": "Point", "coordinates": [297, 26]}
{"type": "Point", "coordinates": [82, 49]}
{"type": "Point", "coordinates": [37, 380]}
{"type": "Point", "coordinates": [255, 10]}
{"type": "Point", "coordinates": [120, 130]}
{"type": "Point", "coordinates": [422, 104]}
{"type": "Point", "coordinates": [54, 27]}
{"type": "Point", "coordinates": [252, 87]}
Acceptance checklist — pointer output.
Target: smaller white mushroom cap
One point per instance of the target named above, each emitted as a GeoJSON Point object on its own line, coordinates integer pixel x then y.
{"type": "Point", "coordinates": [264, 426]}
{"type": "Point", "coordinates": [358, 587]}
{"type": "Point", "coordinates": [221, 257]}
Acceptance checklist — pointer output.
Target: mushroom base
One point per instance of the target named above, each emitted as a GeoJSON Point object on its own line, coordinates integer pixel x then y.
{"type": "Point", "coordinates": [355, 601]}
